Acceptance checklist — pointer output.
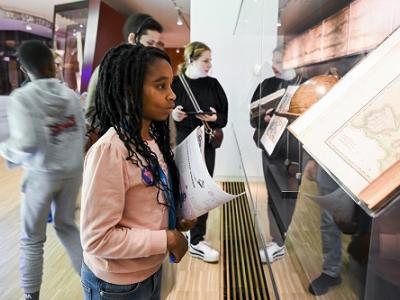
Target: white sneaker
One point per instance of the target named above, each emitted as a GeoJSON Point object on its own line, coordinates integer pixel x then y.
{"type": "Point", "coordinates": [274, 252]}
{"type": "Point", "coordinates": [262, 256]}
{"type": "Point", "coordinates": [204, 251]}
{"type": "Point", "coordinates": [186, 234]}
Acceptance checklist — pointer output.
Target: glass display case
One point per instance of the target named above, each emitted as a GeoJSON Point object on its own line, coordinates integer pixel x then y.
{"type": "Point", "coordinates": [309, 249]}
{"type": "Point", "coordinates": [69, 41]}
{"type": "Point", "coordinates": [11, 77]}
{"type": "Point", "coordinates": [15, 28]}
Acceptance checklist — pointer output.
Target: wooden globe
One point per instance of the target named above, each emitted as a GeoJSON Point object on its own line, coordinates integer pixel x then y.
{"type": "Point", "coordinates": [310, 92]}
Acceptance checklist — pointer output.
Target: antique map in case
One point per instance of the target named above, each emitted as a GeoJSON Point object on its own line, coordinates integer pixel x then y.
{"type": "Point", "coordinates": [276, 127]}
{"type": "Point", "coordinates": [354, 131]}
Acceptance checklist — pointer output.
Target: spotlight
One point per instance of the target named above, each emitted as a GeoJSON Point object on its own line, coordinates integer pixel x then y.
{"type": "Point", "coordinates": [181, 18]}
{"type": "Point", "coordinates": [279, 23]}
{"type": "Point", "coordinates": [28, 27]}
{"type": "Point", "coordinates": [179, 21]}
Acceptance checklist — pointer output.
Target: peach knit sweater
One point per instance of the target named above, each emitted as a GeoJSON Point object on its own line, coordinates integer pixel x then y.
{"type": "Point", "coordinates": [123, 227]}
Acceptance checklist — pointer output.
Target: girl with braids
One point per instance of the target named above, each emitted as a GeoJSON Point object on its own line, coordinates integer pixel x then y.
{"type": "Point", "coordinates": [130, 187]}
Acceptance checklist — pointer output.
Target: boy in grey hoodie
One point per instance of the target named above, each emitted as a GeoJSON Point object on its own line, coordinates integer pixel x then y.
{"type": "Point", "coordinates": [47, 136]}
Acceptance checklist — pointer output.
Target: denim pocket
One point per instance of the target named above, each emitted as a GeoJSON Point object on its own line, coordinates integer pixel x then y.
{"type": "Point", "coordinates": [114, 291]}
{"type": "Point", "coordinates": [87, 292]}
{"type": "Point", "coordinates": [157, 281]}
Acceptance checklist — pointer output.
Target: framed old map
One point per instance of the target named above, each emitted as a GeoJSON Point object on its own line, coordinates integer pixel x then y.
{"type": "Point", "coordinates": [354, 131]}
{"type": "Point", "coordinates": [276, 127]}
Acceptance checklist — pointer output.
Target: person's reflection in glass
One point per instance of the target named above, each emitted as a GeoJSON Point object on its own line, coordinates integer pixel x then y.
{"type": "Point", "coordinates": [383, 279]}
{"type": "Point", "coordinates": [339, 215]}
{"type": "Point", "coordinates": [58, 62]}
{"type": "Point", "coordinates": [282, 79]}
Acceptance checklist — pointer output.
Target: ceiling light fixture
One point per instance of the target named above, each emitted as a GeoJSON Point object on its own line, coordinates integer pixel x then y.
{"type": "Point", "coordinates": [181, 18]}
{"type": "Point", "coordinates": [279, 23]}
{"type": "Point", "coordinates": [179, 21]}
{"type": "Point", "coordinates": [28, 27]}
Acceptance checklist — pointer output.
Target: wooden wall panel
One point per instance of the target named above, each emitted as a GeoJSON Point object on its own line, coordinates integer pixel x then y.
{"type": "Point", "coordinates": [357, 28]}
{"type": "Point", "coordinates": [370, 22]}
{"type": "Point", "coordinates": [335, 32]}
{"type": "Point", "coordinates": [295, 51]}
{"type": "Point", "coordinates": [312, 45]}
{"type": "Point", "coordinates": [104, 30]}
{"type": "Point", "coordinates": [176, 58]}
{"type": "Point", "coordinates": [109, 32]}
{"type": "Point", "coordinates": [288, 55]}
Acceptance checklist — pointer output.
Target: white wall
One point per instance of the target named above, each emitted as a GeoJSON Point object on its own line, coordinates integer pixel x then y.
{"type": "Point", "coordinates": [234, 59]}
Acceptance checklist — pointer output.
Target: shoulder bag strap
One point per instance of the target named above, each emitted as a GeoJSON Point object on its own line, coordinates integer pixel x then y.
{"type": "Point", "coordinates": [196, 105]}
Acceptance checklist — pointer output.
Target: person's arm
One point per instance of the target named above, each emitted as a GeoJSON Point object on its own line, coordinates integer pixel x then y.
{"type": "Point", "coordinates": [80, 120]}
{"type": "Point", "coordinates": [91, 96]}
{"type": "Point", "coordinates": [221, 106]}
{"type": "Point", "coordinates": [104, 188]}
{"type": "Point", "coordinates": [255, 121]}
{"type": "Point", "coordinates": [23, 139]}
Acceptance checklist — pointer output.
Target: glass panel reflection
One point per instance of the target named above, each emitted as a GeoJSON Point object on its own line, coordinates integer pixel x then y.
{"type": "Point", "coordinates": [318, 241]}
{"type": "Point", "coordinates": [69, 41]}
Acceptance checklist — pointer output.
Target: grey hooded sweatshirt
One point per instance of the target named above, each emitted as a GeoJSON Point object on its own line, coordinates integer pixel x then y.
{"type": "Point", "coordinates": [47, 130]}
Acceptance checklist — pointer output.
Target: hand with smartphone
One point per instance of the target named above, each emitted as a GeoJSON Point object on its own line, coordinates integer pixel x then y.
{"type": "Point", "coordinates": [189, 113]}
{"type": "Point", "coordinates": [210, 116]}
{"type": "Point", "coordinates": [178, 114]}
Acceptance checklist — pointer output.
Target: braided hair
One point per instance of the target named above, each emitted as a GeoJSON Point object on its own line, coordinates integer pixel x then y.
{"type": "Point", "coordinates": [119, 105]}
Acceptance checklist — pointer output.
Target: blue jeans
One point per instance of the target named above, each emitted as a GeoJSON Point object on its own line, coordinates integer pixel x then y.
{"type": "Point", "coordinates": [330, 233]}
{"type": "Point", "coordinates": [331, 245]}
{"type": "Point", "coordinates": [95, 289]}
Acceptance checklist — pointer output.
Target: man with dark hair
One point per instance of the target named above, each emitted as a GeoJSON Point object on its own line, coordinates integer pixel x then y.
{"type": "Point", "coordinates": [138, 29]}
{"type": "Point", "coordinates": [142, 29]}
{"type": "Point", "coordinates": [37, 58]}
{"type": "Point", "coordinates": [46, 137]}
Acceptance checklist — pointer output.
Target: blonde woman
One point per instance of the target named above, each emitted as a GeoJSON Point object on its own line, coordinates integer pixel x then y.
{"type": "Point", "coordinates": [211, 98]}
